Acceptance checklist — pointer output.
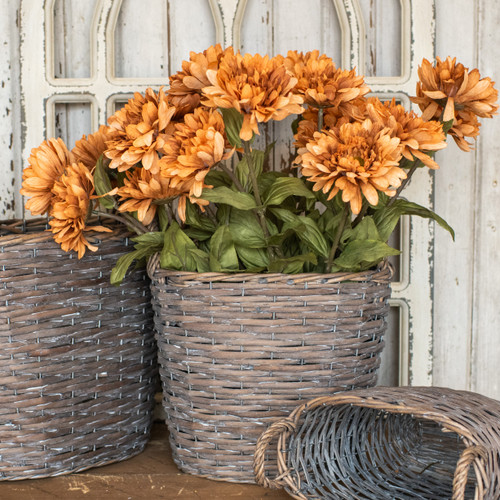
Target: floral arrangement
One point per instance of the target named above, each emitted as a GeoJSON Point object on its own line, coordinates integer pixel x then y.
{"type": "Point", "coordinates": [179, 166]}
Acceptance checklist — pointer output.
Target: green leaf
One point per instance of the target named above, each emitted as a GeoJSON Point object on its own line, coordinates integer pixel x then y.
{"type": "Point", "coordinates": [233, 120]}
{"type": "Point", "coordinates": [387, 217]}
{"type": "Point", "coordinates": [258, 158]}
{"type": "Point", "coordinates": [365, 230]}
{"type": "Point", "coordinates": [223, 255]}
{"type": "Point", "coordinates": [217, 178]}
{"type": "Point", "coordinates": [363, 254]}
{"type": "Point", "coordinates": [283, 187]}
{"type": "Point", "coordinates": [177, 250]}
{"type": "Point", "coordinates": [125, 261]}
{"type": "Point", "coordinates": [162, 217]}
{"type": "Point", "coordinates": [447, 125]}
{"type": "Point", "coordinates": [292, 265]}
{"type": "Point", "coordinates": [245, 230]}
{"type": "Point", "coordinates": [278, 239]}
{"type": "Point", "coordinates": [243, 173]}
{"type": "Point", "coordinates": [306, 229]}
{"type": "Point", "coordinates": [201, 258]}
{"type": "Point", "coordinates": [253, 258]}
{"type": "Point", "coordinates": [103, 185]}
{"type": "Point", "coordinates": [222, 194]}
{"type": "Point", "coordinates": [194, 219]}
{"type": "Point", "coordinates": [153, 240]}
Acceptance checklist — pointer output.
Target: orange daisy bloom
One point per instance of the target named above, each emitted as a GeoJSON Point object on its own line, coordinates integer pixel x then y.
{"type": "Point", "coordinates": [332, 117]}
{"type": "Point", "coordinates": [416, 135]}
{"type": "Point", "coordinates": [258, 87]}
{"type": "Point", "coordinates": [46, 164]}
{"type": "Point", "coordinates": [89, 148]}
{"type": "Point", "coordinates": [449, 91]}
{"type": "Point", "coordinates": [186, 85]}
{"type": "Point", "coordinates": [356, 158]}
{"type": "Point", "coordinates": [71, 207]}
{"type": "Point", "coordinates": [143, 191]}
{"type": "Point", "coordinates": [322, 84]}
{"type": "Point", "coordinates": [195, 147]}
{"type": "Point", "coordinates": [139, 131]}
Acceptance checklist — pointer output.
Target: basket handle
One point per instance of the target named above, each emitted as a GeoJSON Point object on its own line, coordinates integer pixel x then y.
{"type": "Point", "coordinates": [470, 455]}
{"type": "Point", "coordinates": [275, 429]}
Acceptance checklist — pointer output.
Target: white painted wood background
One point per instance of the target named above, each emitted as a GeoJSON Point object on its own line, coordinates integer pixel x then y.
{"type": "Point", "coordinates": [448, 328]}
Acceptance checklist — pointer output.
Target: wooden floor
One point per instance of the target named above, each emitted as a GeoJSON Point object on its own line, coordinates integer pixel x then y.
{"type": "Point", "coordinates": [152, 475]}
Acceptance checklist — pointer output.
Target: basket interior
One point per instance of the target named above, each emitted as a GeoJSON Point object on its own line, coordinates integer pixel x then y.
{"type": "Point", "coordinates": [354, 452]}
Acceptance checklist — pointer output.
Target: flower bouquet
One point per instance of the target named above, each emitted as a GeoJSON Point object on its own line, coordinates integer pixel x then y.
{"type": "Point", "coordinates": [268, 286]}
{"type": "Point", "coordinates": [179, 167]}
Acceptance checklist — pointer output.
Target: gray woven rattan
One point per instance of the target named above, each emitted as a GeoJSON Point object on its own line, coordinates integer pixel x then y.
{"type": "Point", "coordinates": [386, 444]}
{"type": "Point", "coordinates": [237, 351]}
{"type": "Point", "coordinates": [77, 356]}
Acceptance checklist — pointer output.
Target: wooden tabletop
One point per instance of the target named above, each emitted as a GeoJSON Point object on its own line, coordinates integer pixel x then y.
{"type": "Point", "coordinates": [151, 475]}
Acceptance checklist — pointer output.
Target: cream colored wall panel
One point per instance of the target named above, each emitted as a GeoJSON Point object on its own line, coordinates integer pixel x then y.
{"type": "Point", "coordinates": [485, 373]}
{"type": "Point", "coordinates": [455, 187]}
{"type": "Point", "coordinates": [191, 29]}
{"type": "Point", "coordinates": [142, 39]}
{"type": "Point", "coordinates": [383, 29]}
{"type": "Point", "coordinates": [72, 26]}
{"type": "Point", "coordinates": [10, 129]}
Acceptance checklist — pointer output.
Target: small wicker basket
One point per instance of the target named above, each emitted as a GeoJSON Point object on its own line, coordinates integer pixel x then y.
{"type": "Point", "coordinates": [77, 356]}
{"type": "Point", "coordinates": [386, 443]}
{"type": "Point", "coordinates": [238, 351]}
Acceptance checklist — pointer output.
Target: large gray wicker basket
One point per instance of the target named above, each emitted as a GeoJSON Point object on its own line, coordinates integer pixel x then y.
{"type": "Point", "coordinates": [386, 443]}
{"type": "Point", "coordinates": [77, 356]}
{"type": "Point", "coordinates": [238, 351]}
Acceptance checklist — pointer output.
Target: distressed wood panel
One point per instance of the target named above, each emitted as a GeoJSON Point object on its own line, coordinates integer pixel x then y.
{"type": "Point", "coordinates": [10, 121]}
{"type": "Point", "coordinates": [72, 38]}
{"type": "Point", "coordinates": [383, 27]}
{"type": "Point", "coordinates": [485, 355]}
{"type": "Point", "coordinates": [191, 29]}
{"type": "Point", "coordinates": [455, 188]}
{"type": "Point", "coordinates": [142, 40]}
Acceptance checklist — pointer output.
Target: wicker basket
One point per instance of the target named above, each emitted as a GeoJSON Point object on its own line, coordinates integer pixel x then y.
{"type": "Point", "coordinates": [77, 356]}
{"type": "Point", "coordinates": [237, 351]}
{"type": "Point", "coordinates": [386, 444]}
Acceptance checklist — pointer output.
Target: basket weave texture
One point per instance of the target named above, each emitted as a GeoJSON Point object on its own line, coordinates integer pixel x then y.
{"type": "Point", "coordinates": [238, 351]}
{"type": "Point", "coordinates": [386, 443]}
{"type": "Point", "coordinates": [77, 357]}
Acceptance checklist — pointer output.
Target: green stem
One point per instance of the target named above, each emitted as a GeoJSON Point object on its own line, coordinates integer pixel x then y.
{"type": "Point", "coordinates": [320, 119]}
{"type": "Point", "coordinates": [336, 240]}
{"type": "Point", "coordinates": [260, 211]}
{"type": "Point", "coordinates": [414, 167]}
{"type": "Point", "coordinates": [233, 177]}
{"type": "Point", "coordinates": [360, 216]}
{"type": "Point", "coordinates": [126, 219]}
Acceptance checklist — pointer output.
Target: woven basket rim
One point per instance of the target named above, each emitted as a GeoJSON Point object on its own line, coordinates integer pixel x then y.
{"type": "Point", "coordinates": [374, 399]}
{"type": "Point", "coordinates": [382, 273]}
{"type": "Point", "coordinates": [481, 445]}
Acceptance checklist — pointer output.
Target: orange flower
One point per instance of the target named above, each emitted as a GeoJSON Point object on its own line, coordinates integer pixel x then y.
{"type": "Point", "coordinates": [139, 130]}
{"type": "Point", "coordinates": [332, 117]}
{"type": "Point", "coordinates": [46, 164]}
{"type": "Point", "coordinates": [186, 85]}
{"type": "Point", "coordinates": [71, 207]}
{"type": "Point", "coordinates": [322, 84]}
{"type": "Point", "coordinates": [416, 135]}
{"type": "Point", "coordinates": [258, 87]}
{"type": "Point", "coordinates": [195, 147]}
{"type": "Point", "coordinates": [449, 91]}
{"type": "Point", "coordinates": [356, 158]}
{"type": "Point", "coordinates": [143, 191]}
{"type": "Point", "coordinates": [89, 148]}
